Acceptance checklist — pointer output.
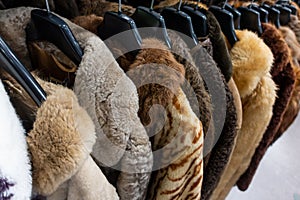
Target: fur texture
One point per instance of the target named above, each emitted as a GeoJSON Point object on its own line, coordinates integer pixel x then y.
{"type": "Point", "coordinates": [89, 22]}
{"type": "Point", "coordinates": [66, 8]}
{"type": "Point", "coordinates": [15, 168]}
{"type": "Point", "coordinates": [220, 51]}
{"type": "Point", "coordinates": [291, 40]}
{"type": "Point", "coordinates": [194, 85]}
{"type": "Point", "coordinates": [225, 119]}
{"type": "Point", "coordinates": [252, 61]}
{"type": "Point", "coordinates": [59, 142]}
{"type": "Point", "coordinates": [182, 131]}
{"type": "Point", "coordinates": [284, 77]}
{"type": "Point", "coordinates": [294, 24]}
{"type": "Point", "coordinates": [99, 7]}
{"type": "Point", "coordinates": [109, 96]}
{"type": "Point", "coordinates": [111, 100]}
{"type": "Point", "coordinates": [292, 109]}
{"type": "Point", "coordinates": [88, 183]}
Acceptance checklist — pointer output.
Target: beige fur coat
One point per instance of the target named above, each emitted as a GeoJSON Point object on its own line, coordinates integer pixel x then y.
{"type": "Point", "coordinates": [252, 61]}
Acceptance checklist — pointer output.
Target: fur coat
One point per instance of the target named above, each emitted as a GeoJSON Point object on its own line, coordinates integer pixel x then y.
{"type": "Point", "coordinates": [294, 105]}
{"type": "Point", "coordinates": [178, 142]}
{"type": "Point", "coordinates": [252, 61]}
{"type": "Point", "coordinates": [194, 86]}
{"type": "Point", "coordinates": [294, 24]}
{"type": "Point", "coordinates": [284, 77]}
{"type": "Point", "coordinates": [225, 119]}
{"type": "Point", "coordinates": [15, 168]}
{"type": "Point", "coordinates": [64, 132]}
{"type": "Point", "coordinates": [110, 99]}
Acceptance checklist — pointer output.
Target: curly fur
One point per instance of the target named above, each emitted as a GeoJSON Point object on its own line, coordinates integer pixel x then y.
{"type": "Point", "coordinates": [223, 115]}
{"type": "Point", "coordinates": [284, 77]}
{"type": "Point", "coordinates": [252, 61]}
{"type": "Point", "coordinates": [15, 168]}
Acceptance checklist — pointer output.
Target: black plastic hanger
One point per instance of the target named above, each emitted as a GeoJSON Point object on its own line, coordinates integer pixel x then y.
{"type": "Point", "coordinates": [47, 26]}
{"type": "Point", "coordinates": [236, 15]}
{"type": "Point", "coordinates": [225, 19]}
{"type": "Point", "coordinates": [117, 22]}
{"type": "Point", "coordinates": [273, 16]}
{"type": "Point", "coordinates": [10, 63]}
{"type": "Point", "coordinates": [263, 13]}
{"type": "Point", "coordinates": [285, 14]}
{"type": "Point", "coordinates": [147, 17]}
{"type": "Point", "coordinates": [199, 19]}
{"type": "Point", "coordinates": [287, 4]}
{"type": "Point", "coordinates": [181, 22]}
{"type": "Point", "coordinates": [250, 19]}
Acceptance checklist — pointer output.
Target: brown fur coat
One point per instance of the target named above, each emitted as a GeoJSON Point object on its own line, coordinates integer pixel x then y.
{"type": "Point", "coordinates": [284, 77]}
{"type": "Point", "coordinates": [225, 119]}
{"type": "Point", "coordinates": [294, 105]}
{"type": "Point", "coordinates": [158, 78]}
{"type": "Point", "coordinates": [252, 61]}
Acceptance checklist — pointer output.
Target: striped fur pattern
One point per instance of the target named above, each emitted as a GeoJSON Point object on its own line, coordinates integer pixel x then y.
{"type": "Point", "coordinates": [183, 178]}
{"type": "Point", "coordinates": [179, 143]}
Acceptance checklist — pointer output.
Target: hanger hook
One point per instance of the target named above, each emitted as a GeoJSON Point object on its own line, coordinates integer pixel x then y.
{"type": "Point", "coordinates": [47, 6]}
{"type": "Point", "coordinates": [251, 4]}
{"type": "Point", "coordinates": [151, 6]}
{"type": "Point", "coordinates": [120, 7]}
{"type": "Point", "coordinates": [226, 1]}
{"type": "Point", "coordinates": [197, 6]}
{"type": "Point", "coordinates": [179, 6]}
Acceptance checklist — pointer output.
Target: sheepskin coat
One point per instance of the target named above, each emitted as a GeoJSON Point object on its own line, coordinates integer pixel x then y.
{"type": "Point", "coordinates": [284, 77]}
{"type": "Point", "coordinates": [252, 61]}
{"type": "Point", "coordinates": [225, 119]}
{"type": "Point", "coordinates": [178, 142]}
{"type": "Point", "coordinates": [109, 97]}
{"type": "Point", "coordinates": [15, 168]}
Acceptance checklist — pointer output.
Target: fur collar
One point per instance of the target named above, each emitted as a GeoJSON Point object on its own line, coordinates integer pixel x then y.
{"type": "Point", "coordinates": [15, 168]}
{"type": "Point", "coordinates": [251, 60]}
